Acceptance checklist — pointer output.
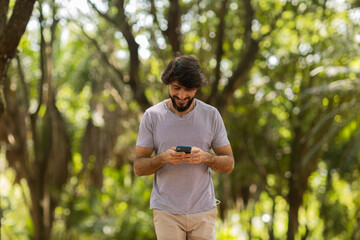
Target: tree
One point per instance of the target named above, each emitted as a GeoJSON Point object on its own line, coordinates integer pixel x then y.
{"type": "Point", "coordinates": [44, 163]}
{"type": "Point", "coordinates": [11, 31]}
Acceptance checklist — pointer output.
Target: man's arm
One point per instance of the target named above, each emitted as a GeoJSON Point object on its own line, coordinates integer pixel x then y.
{"type": "Point", "coordinates": [222, 162]}
{"type": "Point", "coordinates": [144, 164]}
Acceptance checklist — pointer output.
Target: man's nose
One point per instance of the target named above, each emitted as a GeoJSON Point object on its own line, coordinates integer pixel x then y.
{"type": "Point", "coordinates": [182, 94]}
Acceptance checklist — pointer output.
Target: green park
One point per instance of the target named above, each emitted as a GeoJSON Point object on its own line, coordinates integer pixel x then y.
{"type": "Point", "coordinates": [76, 77]}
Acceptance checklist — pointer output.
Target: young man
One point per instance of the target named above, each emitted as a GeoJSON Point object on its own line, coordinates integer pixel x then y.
{"type": "Point", "coordinates": [183, 199]}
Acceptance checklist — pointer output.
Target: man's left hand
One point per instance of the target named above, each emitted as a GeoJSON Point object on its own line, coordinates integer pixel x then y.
{"type": "Point", "coordinates": [197, 156]}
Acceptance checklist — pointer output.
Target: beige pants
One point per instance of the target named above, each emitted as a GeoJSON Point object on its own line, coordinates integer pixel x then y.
{"type": "Point", "coordinates": [180, 227]}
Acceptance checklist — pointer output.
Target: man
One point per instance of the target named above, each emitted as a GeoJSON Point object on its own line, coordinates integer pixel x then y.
{"type": "Point", "coordinates": [183, 199]}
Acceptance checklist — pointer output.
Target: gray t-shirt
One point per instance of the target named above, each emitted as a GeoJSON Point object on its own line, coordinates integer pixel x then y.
{"type": "Point", "coordinates": [183, 188]}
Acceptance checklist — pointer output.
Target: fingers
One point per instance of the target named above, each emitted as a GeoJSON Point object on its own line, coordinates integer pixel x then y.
{"type": "Point", "coordinates": [174, 157]}
{"type": "Point", "coordinates": [196, 156]}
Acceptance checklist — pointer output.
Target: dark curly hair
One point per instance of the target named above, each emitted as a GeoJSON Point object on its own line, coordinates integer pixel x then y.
{"type": "Point", "coordinates": [186, 70]}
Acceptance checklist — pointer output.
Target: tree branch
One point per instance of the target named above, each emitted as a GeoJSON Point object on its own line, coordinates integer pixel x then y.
{"type": "Point", "coordinates": [105, 58]}
{"type": "Point", "coordinates": [173, 32]}
{"type": "Point", "coordinates": [10, 34]}
{"type": "Point", "coordinates": [43, 66]}
{"type": "Point", "coordinates": [248, 56]}
{"type": "Point", "coordinates": [153, 13]}
{"type": "Point", "coordinates": [134, 64]}
{"type": "Point", "coordinates": [219, 52]}
{"type": "Point", "coordinates": [23, 82]}
{"type": "Point", "coordinates": [15, 27]}
{"type": "Point", "coordinates": [4, 8]}
{"type": "Point", "coordinates": [103, 15]}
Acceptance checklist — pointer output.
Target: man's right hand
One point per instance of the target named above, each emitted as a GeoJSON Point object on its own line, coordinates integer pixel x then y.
{"type": "Point", "coordinates": [172, 157]}
{"type": "Point", "coordinates": [144, 164]}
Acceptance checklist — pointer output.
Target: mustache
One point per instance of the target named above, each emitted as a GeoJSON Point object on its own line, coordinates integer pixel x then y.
{"type": "Point", "coordinates": [180, 98]}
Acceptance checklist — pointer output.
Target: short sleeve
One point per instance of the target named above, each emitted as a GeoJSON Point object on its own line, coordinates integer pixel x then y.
{"type": "Point", "coordinates": [145, 135]}
{"type": "Point", "coordinates": [220, 137]}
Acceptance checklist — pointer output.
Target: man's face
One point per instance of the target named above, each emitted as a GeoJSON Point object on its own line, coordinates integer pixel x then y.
{"type": "Point", "coordinates": [181, 97]}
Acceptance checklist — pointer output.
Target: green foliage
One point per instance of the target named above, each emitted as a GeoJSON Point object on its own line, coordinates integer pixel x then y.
{"type": "Point", "coordinates": [304, 83]}
{"type": "Point", "coordinates": [15, 222]}
{"type": "Point", "coordinates": [118, 211]}
{"type": "Point", "coordinates": [338, 206]}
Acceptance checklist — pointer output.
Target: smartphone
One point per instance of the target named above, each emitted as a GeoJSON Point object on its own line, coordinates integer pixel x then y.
{"type": "Point", "coordinates": [186, 149]}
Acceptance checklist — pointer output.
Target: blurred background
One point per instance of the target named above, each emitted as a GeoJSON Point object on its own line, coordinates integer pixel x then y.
{"type": "Point", "coordinates": [285, 76]}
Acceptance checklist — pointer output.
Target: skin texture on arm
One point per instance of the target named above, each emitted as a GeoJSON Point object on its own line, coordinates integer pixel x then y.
{"type": "Point", "coordinates": [144, 164]}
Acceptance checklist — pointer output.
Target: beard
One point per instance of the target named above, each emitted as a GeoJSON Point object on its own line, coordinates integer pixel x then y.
{"type": "Point", "coordinates": [180, 108]}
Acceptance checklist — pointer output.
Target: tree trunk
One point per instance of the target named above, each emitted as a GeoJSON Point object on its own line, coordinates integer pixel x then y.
{"type": "Point", "coordinates": [173, 33]}
{"type": "Point", "coordinates": [294, 200]}
{"type": "Point", "coordinates": [301, 168]}
{"type": "Point", "coordinates": [37, 210]}
{"type": "Point", "coordinates": [219, 52]}
{"type": "Point", "coordinates": [10, 34]}
{"type": "Point", "coordinates": [98, 145]}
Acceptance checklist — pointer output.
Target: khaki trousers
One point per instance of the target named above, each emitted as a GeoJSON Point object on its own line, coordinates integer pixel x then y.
{"type": "Point", "coordinates": [185, 227]}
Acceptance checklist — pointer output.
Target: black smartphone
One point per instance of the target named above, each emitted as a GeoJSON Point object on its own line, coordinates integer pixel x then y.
{"type": "Point", "coordinates": [186, 149]}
